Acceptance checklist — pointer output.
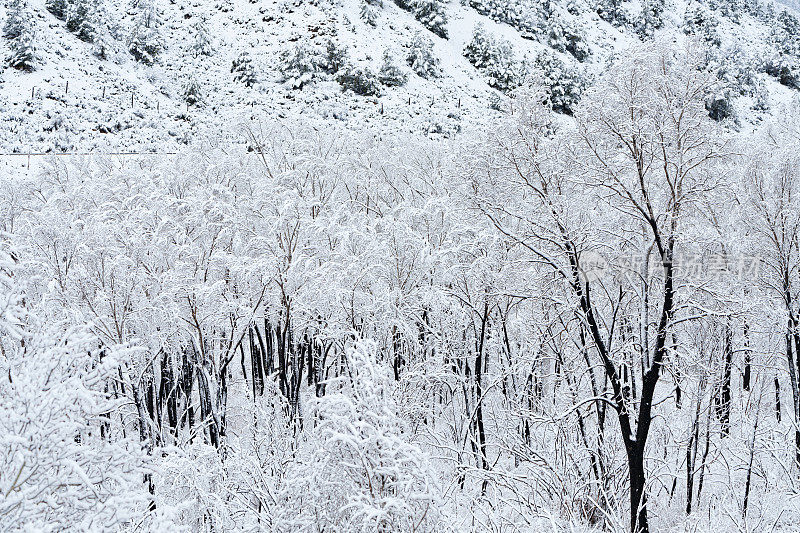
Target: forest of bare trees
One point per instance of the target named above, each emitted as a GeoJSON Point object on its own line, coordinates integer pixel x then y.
{"type": "Point", "coordinates": [547, 325]}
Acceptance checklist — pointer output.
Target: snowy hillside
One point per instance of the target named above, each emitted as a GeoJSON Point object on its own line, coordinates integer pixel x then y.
{"type": "Point", "coordinates": [88, 92]}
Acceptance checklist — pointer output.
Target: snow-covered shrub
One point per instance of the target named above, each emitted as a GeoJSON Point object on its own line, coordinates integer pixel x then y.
{"type": "Point", "coordinates": [19, 30]}
{"type": "Point", "coordinates": [243, 70]}
{"type": "Point", "coordinates": [191, 488]}
{"type": "Point", "coordinates": [566, 36]}
{"type": "Point", "coordinates": [421, 58]}
{"type": "Point", "coordinates": [432, 15]}
{"type": "Point", "coordinates": [300, 64]}
{"type": "Point", "coordinates": [145, 41]}
{"type": "Point", "coordinates": [369, 13]}
{"type": "Point", "coordinates": [699, 21]}
{"type": "Point", "coordinates": [357, 471]}
{"type": "Point", "coordinates": [515, 13]}
{"type": "Point", "coordinates": [784, 68]}
{"type": "Point", "coordinates": [359, 80]}
{"type": "Point", "coordinates": [494, 58]}
{"type": "Point", "coordinates": [650, 19]}
{"type": "Point", "coordinates": [389, 73]}
{"type": "Point", "coordinates": [65, 464]}
{"type": "Point", "coordinates": [564, 84]}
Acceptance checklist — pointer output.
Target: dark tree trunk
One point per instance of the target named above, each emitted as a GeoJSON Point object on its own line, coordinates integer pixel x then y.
{"type": "Point", "coordinates": [638, 493]}
{"type": "Point", "coordinates": [748, 358]}
{"type": "Point", "coordinates": [722, 400]}
{"type": "Point", "coordinates": [482, 459]}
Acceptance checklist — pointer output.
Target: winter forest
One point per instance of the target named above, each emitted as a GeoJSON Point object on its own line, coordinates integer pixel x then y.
{"type": "Point", "coordinates": [409, 266]}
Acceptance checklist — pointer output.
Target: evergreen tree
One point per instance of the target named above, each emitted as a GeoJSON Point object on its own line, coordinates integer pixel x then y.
{"type": "Point", "coordinates": [23, 53]}
{"type": "Point", "coordinates": [720, 105]}
{"type": "Point", "coordinates": [564, 85]}
{"type": "Point", "coordinates": [565, 36]}
{"type": "Point", "coordinates": [335, 57]}
{"type": "Point", "coordinates": [243, 69]}
{"type": "Point", "coordinates": [611, 11]}
{"type": "Point", "coordinates": [701, 22]}
{"type": "Point", "coordinates": [513, 13]}
{"type": "Point", "coordinates": [145, 42]}
{"type": "Point", "coordinates": [81, 18]}
{"type": "Point", "coordinates": [785, 64]}
{"type": "Point", "coordinates": [432, 15]}
{"type": "Point", "coordinates": [421, 58]}
{"type": "Point", "coordinates": [58, 8]}
{"type": "Point", "coordinates": [369, 13]}
{"type": "Point", "coordinates": [768, 14]}
{"type": "Point", "coordinates": [785, 68]}
{"type": "Point", "coordinates": [19, 31]}
{"type": "Point", "coordinates": [103, 39]}
{"type": "Point", "coordinates": [786, 34]}
{"type": "Point", "coordinates": [650, 19]}
{"type": "Point", "coordinates": [389, 73]}
{"type": "Point", "coordinates": [17, 20]}
{"type": "Point", "coordinates": [302, 63]}
{"type": "Point", "coordinates": [728, 8]}
{"type": "Point", "coordinates": [494, 58]}
{"type": "Point", "coordinates": [192, 93]}
{"type": "Point", "coordinates": [359, 80]}
{"type": "Point", "coordinates": [202, 39]}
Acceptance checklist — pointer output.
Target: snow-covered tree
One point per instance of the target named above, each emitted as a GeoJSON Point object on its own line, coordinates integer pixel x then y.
{"type": "Point", "coordinates": [786, 33]}
{"type": "Point", "coordinates": [300, 64]}
{"type": "Point", "coordinates": [243, 69]}
{"type": "Point", "coordinates": [566, 36]}
{"type": "Point", "coordinates": [785, 63]}
{"type": "Point", "coordinates": [58, 8]}
{"type": "Point", "coordinates": [359, 80]}
{"type": "Point", "coordinates": [65, 460]}
{"type": "Point", "coordinates": [518, 14]}
{"type": "Point", "coordinates": [564, 84]}
{"type": "Point", "coordinates": [18, 29]}
{"type": "Point", "coordinates": [369, 13]}
{"type": "Point", "coordinates": [494, 58]}
{"type": "Point", "coordinates": [699, 21]}
{"type": "Point", "coordinates": [650, 19]}
{"type": "Point", "coordinates": [611, 11]}
{"type": "Point", "coordinates": [192, 93]}
{"type": "Point", "coordinates": [81, 17]}
{"type": "Point", "coordinates": [432, 15]}
{"type": "Point", "coordinates": [145, 42]}
{"type": "Point", "coordinates": [421, 58]}
{"type": "Point", "coordinates": [360, 473]}
{"type": "Point", "coordinates": [105, 30]}
{"type": "Point", "coordinates": [335, 57]}
{"type": "Point", "coordinates": [203, 44]}
{"type": "Point", "coordinates": [389, 73]}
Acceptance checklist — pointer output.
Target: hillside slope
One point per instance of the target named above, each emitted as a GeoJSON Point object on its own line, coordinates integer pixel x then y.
{"type": "Point", "coordinates": [95, 96]}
